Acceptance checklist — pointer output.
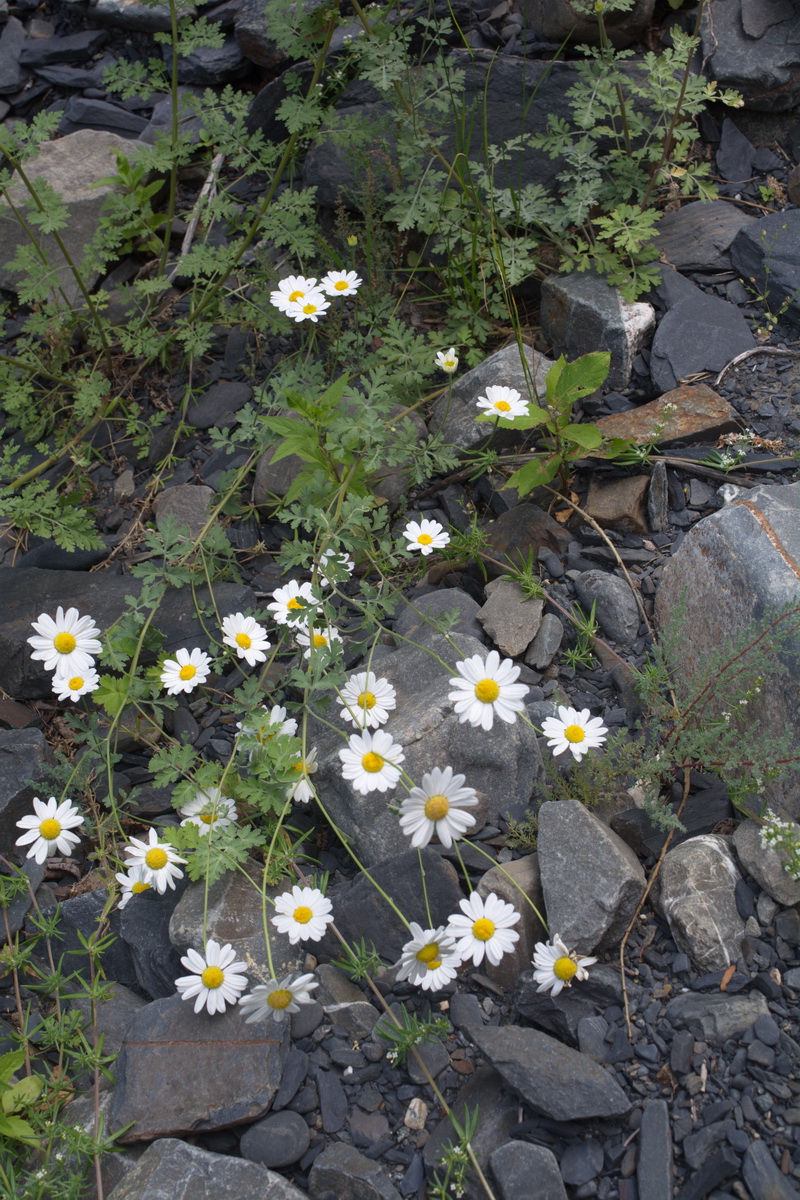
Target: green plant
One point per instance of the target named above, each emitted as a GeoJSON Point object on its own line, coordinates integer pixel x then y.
{"type": "Point", "coordinates": [413, 1031]}
{"type": "Point", "coordinates": [455, 1158]}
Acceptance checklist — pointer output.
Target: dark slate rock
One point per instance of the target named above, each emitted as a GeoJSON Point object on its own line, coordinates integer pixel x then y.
{"type": "Point", "coordinates": [654, 1166]}
{"type": "Point", "coordinates": [702, 811]}
{"type": "Point", "coordinates": [12, 73]}
{"type": "Point", "coordinates": [766, 1030]}
{"type": "Point", "coordinates": [332, 1101]}
{"type": "Point", "coordinates": [768, 252]}
{"type": "Point", "coordinates": [279, 1140]}
{"type": "Point", "coordinates": [715, 1017]}
{"type": "Point", "coordinates": [735, 154]}
{"type": "Point", "coordinates": [697, 1147]}
{"type": "Point", "coordinates": [17, 910]}
{"type": "Point", "coordinates": [435, 1057]}
{"type": "Point", "coordinates": [414, 625]}
{"type": "Point", "coordinates": [700, 333]}
{"type": "Point", "coordinates": [23, 755]}
{"type": "Point", "coordinates": [617, 611]}
{"type": "Point", "coordinates": [77, 77]}
{"type": "Point", "coordinates": [764, 1179]}
{"type": "Point", "coordinates": [564, 1015]}
{"type": "Point", "coordinates": [343, 1172]}
{"type": "Point", "coordinates": [144, 926]}
{"type": "Point", "coordinates": [78, 918]}
{"type": "Point", "coordinates": [581, 1162]}
{"type": "Point", "coordinates": [751, 45]}
{"type": "Point", "coordinates": [498, 1114]}
{"type": "Point", "coordinates": [252, 32]}
{"type": "Point", "coordinates": [41, 52]}
{"type": "Point", "coordinates": [210, 66]}
{"type": "Point", "coordinates": [173, 1170]}
{"type": "Point", "coordinates": [48, 555]}
{"type": "Point", "coordinates": [714, 1171]}
{"type": "Point", "coordinates": [555, 1080]}
{"type": "Point", "coordinates": [114, 1015]}
{"type": "Point", "coordinates": [465, 1009]}
{"type": "Point", "coordinates": [184, 1072]}
{"type": "Point", "coordinates": [293, 1077]}
{"type": "Point", "coordinates": [80, 113]}
{"type": "Point", "coordinates": [696, 237]}
{"type": "Point", "coordinates": [216, 407]}
{"type": "Point", "coordinates": [526, 1172]}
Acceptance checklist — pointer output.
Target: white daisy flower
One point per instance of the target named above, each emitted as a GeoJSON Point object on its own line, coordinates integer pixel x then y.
{"type": "Point", "coordinates": [48, 828]}
{"type": "Point", "coordinates": [209, 810]}
{"type": "Point", "coordinates": [425, 536]}
{"type": "Point", "coordinates": [367, 700]}
{"type": "Point", "coordinates": [303, 914]}
{"type": "Point", "coordinates": [503, 402]}
{"type": "Point", "coordinates": [340, 283]}
{"type": "Point", "coordinates": [485, 928]}
{"type": "Point", "coordinates": [67, 644]}
{"type": "Point", "coordinates": [72, 687]}
{"type": "Point", "coordinates": [555, 966]}
{"type": "Point", "coordinates": [246, 637]}
{"type": "Point", "coordinates": [185, 671]}
{"type": "Point", "coordinates": [339, 561]}
{"type": "Point", "coordinates": [158, 859]}
{"type": "Point", "coordinates": [574, 731]}
{"type": "Point", "coordinates": [430, 959]}
{"type": "Point", "coordinates": [132, 884]}
{"type": "Point", "coordinates": [294, 603]}
{"type": "Point", "coordinates": [447, 360]}
{"type": "Point", "coordinates": [436, 807]}
{"type": "Point", "coordinates": [313, 638]}
{"type": "Point", "coordinates": [266, 729]}
{"type": "Point", "coordinates": [216, 980]}
{"type": "Point", "coordinates": [486, 688]}
{"type": "Point", "coordinates": [276, 999]}
{"type": "Point", "coordinates": [310, 308]}
{"type": "Point", "coordinates": [292, 290]}
{"type": "Point", "coordinates": [370, 761]}
{"type": "Point", "coordinates": [302, 791]}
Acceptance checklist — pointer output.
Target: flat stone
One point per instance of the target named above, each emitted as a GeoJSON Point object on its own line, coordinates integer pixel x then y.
{"type": "Point", "coordinates": [762, 1175]}
{"type": "Point", "coordinates": [751, 45]}
{"type": "Point", "coordinates": [697, 895]}
{"type": "Point", "coordinates": [173, 1170]}
{"type": "Point", "coordinates": [340, 1170]}
{"type": "Point", "coordinates": [181, 1072]}
{"type": "Point", "coordinates": [419, 626]}
{"type": "Point", "coordinates": [556, 1081]}
{"type": "Point", "coordinates": [765, 864]}
{"type": "Point", "coordinates": [546, 644]}
{"type": "Point", "coordinates": [279, 1140]}
{"type": "Point", "coordinates": [523, 1171]}
{"type": "Point", "coordinates": [714, 1171]}
{"type": "Point", "coordinates": [697, 237]}
{"type": "Point", "coordinates": [40, 52]}
{"type": "Point", "coordinates": [127, 14]}
{"type": "Point", "coordinates": [735, 154]}
{"type": "Point", "coordinates": [716, 1017]}
{"type": "Point", "coordinates": [78, 920]}
{"type": "Point", "coordinates": [766, 251]}
{"type": "Point", "coordinates": [521, 529]}
{"type": "Point", "coordinates": [12, 72]}
{"type": "Point", "coordinates": [698, 412]}
{"type": "Point", "coordinates": [218, 406]}
{"type": "Point", "coordinates": [114, 1015]}
{"type": "Point", "coordinates": [333, 1104]}
{"type": "Point", "coordinates": [581, 1162]}
{"type": "Point", "coordinates": [701, 333]}
{"type": "Point", "coordinates": [565, 1014]}
{"type": "Point", "coordinates": [187, 504]}
{"type": "Point", "coordinates": [144, 927]}
{"type": "Point", "coordinates": [615, 607]}
{"type": "Point", "coordinates": [621, 504]}
{"type": "Point", "coordinates": [510, 619]}
{"type": "Point", "coordinates": [82, 114]}
{"type": "Point", "coordinates": [24, 754]}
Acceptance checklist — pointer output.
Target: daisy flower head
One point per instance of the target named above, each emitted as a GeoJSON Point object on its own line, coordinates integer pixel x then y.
{"type": "Point", "coordinates": [186, 671]}
{"type": "Point", "coordinates": [484, 927]}
{"type": "Point", "coordinates": [303, 914]}
{"type": "Point", "coordinates": [425, 536]}
{"type": "Point", "coordinates": [132, 884]}
{"type": "Point", "coordinates": [487, 688]}
{"type": "Point", "coordinates": [555, 966]}
{"type": "Point", "coordinates": [72, 687]}
{"type": "Point", "coordinates": [317, 638]}
{"type": "Point", "coordinates": [430, 959]}
{"type": "Point", "coordinates": [209, 810]}
{"type": "Point", "coordinates": [294, 603]}
{"type": "Point", "coordinates": [278, 999]}
{"type": "Point", "coordinates": [292, 290]}
{"type": "Point", "coordinates": [49, 829]}
{"type": "Point", "coordinates": [65, 644]}
{"type": "Point", "coordinates": [216, 980]}
{"type": "Point", "coordinates": [158, 860]}
{"type": "Point", "coordinates": [245, 636]}
{"type": "Point", "coordinates": [371, 761]}
{"type": "Point", "coordinates": [333, 564]}
{"type": "Point", "coordinates": [367, 700]}
{"type": "Point", "coordinates": [574, 731]}
{"type": "Point", "coordinates": [340, 283]}
{"type": "Point", "coordinates": [301, 791]}
{"type": "Point", "coordinates": [437, 808]}
{"type": "Point", "coordinates": [503, 402]}
{"type": "Point", "coordinates": [310, 308]}
{"type": "Point", "coordinates": [447, 360]}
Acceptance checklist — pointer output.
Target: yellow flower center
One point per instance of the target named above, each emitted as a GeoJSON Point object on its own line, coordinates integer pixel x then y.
{"type": "Point", "coordinates": [565, 968]}
{"type": "Point", "coordinates": [50, 829]}
{"type": "Point", "coordinates": [502, 405]}
{"type": "Point", "coordinates": [487, 691]}
{"type": "Point", "coordinates": [319, 639]}
{"type": "Point", "coordinates": [244, 640]}
{"type": "Point", "coordinates": [64, 643]}
{"type": "Point", "coordinates": [75, 684]}
{"type": "Point", "coordinates": [280, 999]}
{"type": "Point", "coordinates": [303, 914]}
{"type": "Point", "coordinates": [156, 858]}
{"type": "Point", "coordinates": [483, 929]}
{"type": "Point", "coordinates": [424, 539]}
{"type": "Point", "coordinates": [434, 963]}
{"type": "Point", "coordinates": [294, 603]}
{"type": "Point", "coordinates": [187, 672]}
{"type": "Point", "coordinates": [372, 762]}
{"type": "Point", "coordinates": [428, 953]}
{"type": "Point", "coordinates": [212, 977]}
{"type": "Point", "coordinates": [574, 733]}
{"type": "Point", "coordinates": [309, 308]}
{"type": "Point", "coordinates": [437, 807]}
{"type": "Point", "coordinates": [295, 296]}
{"type": "Point", "coordinates": [449, 364]}
{"type": "Point", "coordinates": [352, 240]}
{"type": "Point", "coordinates": [208, 818]}
{"type": "Point", "coordinates": [366, 700]}
{"type": "Point", "coordinates": [341, 285]}
{"type": "Point", "coordinates": [140, 887]}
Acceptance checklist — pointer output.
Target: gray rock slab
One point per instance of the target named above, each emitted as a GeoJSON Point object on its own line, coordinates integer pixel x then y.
{"type": "Point", "coordinates": [78, 920]}
{"type": "Point", "coordinates": [701, 333]}
{"type": "Point", "coordinates": [19, 907]}
{"type": "Point", "coordinates": [763, 1176]}
{"type": "Point", "coordinates": [181, 1072]}
{"type": "Point", "coordinates": [616, 610]}
{"type": "Point", "coordinates": [12, 72]}
{"type": "Point", "coordinates": [556, 1081]}
{"type": "Point", "coordinates": [173, 1170]}
{"type": "Point", "coordinates": [510, 618]}
{"type": "Point", "coordinates": [24, 755]}
{"type": "Point", "coordinates": [654, 1172]}
{"type": "Point", "coordinates": [698, 237]}
{"type": "Point", "coordinates": [765, 864]}
{"type": "Point", "coordinates": [559, 19]}
{"type": "Point", "coordinates": [73, 166]}
{"type": "Point", "coordinates": [591, 880]}
{"type": "Point", "coordinates": [523, 1171]}
{"type": "Point", "coordinates": [279, 1140]}
{"type": "Point", "coordinates": [751, 45]}
{"type": "Point", "coordinates": [344, 1172]}
{"type": "Point", "coordinates": [114, 1015]}
{"type": "Point", "coordinates": [563, 1015]}
{"type": "Point", "coordinates": [187, 504]}
{"type": "Point", "coordinates": [766, 251]}
{"type": "Point", "coordinates": [497, 1111]}
{"type": "Point", "coordinates": [697, 895]}
{"type": "Point", "coordinates": [217, 406]}
{"type": "Point", "coordinates": [144, 926]}
{"type": "Point", "coordinates": [546, 644]}
{"type": "Point", "coordinates": [715, 1017]}
{"type": "Point", "coordinates": [581, 312]}
{"type": "Point", "coordinates": [732, 568]}
{"type": "Point", "coordinates": [414, 620]}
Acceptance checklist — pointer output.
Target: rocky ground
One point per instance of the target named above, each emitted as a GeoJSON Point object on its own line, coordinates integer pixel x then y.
{"type": "Point", "coordinates": [698, 1097]}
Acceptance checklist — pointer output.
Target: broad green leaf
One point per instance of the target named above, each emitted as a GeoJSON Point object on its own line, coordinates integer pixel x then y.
{"type": "Point", "coordinates": [15, 1127]}
{"type": "Point", "coordinates": [112, 694]}
{"type": "Point", "coordinates": [579, 378]}
{"type": "Point", "coordinates": [534, 473]}
{"type": "Point", "coordinates": [588, 436]}
{"type": "Point", "coordinates": [22, 1093]}
{"type": "Point", "coordinates": [9, 1063]}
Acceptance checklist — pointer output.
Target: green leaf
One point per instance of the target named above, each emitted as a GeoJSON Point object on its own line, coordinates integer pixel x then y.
{"type": "Point", "coordinates": [534, 473]}
{"type": "Point", "coordinates": [24, 1092]}
{"type": "Point", "coordinates": [588, 436]}
{"type": "Point", "coordinates": [15, 1127]}
{"type": "Point", "coordinates": [112, 694]}
{"type": "Point", "coordinates": [9, 1063]}
{"type": "Point", "coordinates": [579, 378]}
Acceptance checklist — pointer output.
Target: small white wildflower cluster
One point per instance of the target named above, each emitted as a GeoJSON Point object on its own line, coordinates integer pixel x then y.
{"type": "Point", "coordinates": [67, 645]}
{"type": "Point", "coordinates": [191, 668]}
{"type": "Point", "coordinates": [784, 838]}
{"type": "Point", "coordinates": [306, 300]}
{"type": "Point", "coordinates": [432, 957]}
